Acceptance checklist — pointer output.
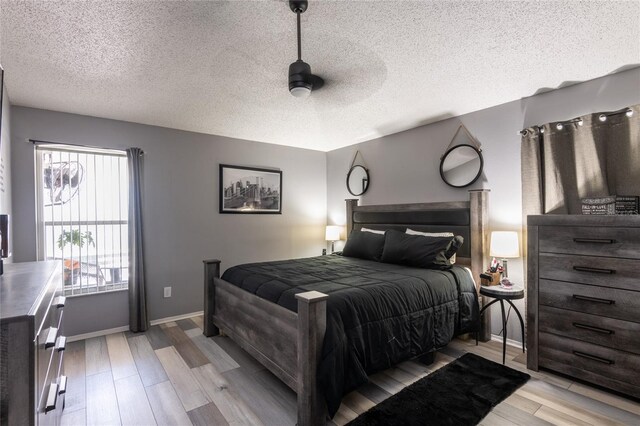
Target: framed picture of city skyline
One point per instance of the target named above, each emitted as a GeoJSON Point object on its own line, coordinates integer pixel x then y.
{"type": "Point", "coordinates": [250, 190]}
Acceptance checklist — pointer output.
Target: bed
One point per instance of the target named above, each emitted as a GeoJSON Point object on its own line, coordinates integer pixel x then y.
{"type": "Point", "coordinates": [290, 329]}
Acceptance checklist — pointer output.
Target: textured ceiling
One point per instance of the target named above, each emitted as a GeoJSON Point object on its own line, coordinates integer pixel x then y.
{"type": "Point", "coordinates": [221, 67]}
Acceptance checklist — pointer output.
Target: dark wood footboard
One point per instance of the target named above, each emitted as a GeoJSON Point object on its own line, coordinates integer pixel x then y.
{"type": "Point", "coordinates": [286, 343]}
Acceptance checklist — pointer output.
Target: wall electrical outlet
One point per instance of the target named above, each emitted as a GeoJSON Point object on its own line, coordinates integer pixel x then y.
{"type": "Point", "coordinates": [167, 292]}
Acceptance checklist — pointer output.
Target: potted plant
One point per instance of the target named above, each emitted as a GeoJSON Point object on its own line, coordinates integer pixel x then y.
{"type": "Point", "coordinates": [75, 238]}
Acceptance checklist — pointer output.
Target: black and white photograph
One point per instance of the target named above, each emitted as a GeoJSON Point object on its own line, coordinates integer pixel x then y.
{"type": "Point", "coordinates": [250, 190]}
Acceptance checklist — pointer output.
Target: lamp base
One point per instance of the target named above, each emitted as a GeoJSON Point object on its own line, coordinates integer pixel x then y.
{"type": "Point", "coordinates": [505, 274]}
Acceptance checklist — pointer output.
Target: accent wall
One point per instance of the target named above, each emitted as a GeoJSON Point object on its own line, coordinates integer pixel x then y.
{"type": "Point", "coordinates": [404, 167]}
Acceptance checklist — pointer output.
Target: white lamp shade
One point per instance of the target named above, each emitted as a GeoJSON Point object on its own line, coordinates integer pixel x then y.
{"type": "Point", "coordinates": [504, 244]}
{"type": "Point", "coordinates": [332, 233]}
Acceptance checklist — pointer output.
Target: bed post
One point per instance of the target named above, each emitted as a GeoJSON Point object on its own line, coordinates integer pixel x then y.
{"type": "Point", "coordinates": [479, 210]}
{"type": "Point", "coordinates": [351, 203]}
{"type": "Point", "coordinates": [312, 324]}
{"type": "Point", "coordinates": [211, 271]}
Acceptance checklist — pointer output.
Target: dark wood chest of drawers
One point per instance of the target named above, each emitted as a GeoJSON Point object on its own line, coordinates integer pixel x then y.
{"type": "Point", "coordinates": [583, 298]}
{"type": "Point", "coordinates": [32, 381]}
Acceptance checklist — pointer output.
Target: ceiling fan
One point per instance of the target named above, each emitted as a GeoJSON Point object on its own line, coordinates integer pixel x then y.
{"type": "Point", "coordinates": [301, 81]}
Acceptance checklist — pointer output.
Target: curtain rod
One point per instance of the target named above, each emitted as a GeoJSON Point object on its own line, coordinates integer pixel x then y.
{"type": "Point", "coordinates": [41, 142]}
{"type": "Point", "coordinates": [560, 124]}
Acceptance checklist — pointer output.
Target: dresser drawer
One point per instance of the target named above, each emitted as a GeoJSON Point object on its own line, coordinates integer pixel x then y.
{"type": "Point", "coordinates": [42, 314]}
{"type": "Point", "coordinates": [601, 271]}
{"type": "Point", "coordinates": [613, 333]}
{"type": "Point", "coordinates": [591, 241]}
{"type": "Point", "coordinates": [47, 354]}
{"type": "Point", "coordinates": [605, 366]}
{"type": "Point", "coordinates": [603, 301]}
{"type": "Point", "coordinates": [52, 377]}
{"type": "Point", "coordinates": [57, 307]}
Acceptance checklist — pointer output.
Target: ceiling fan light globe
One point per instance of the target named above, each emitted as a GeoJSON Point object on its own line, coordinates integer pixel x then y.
{"type": "Point", "coordinates": [300, 91]}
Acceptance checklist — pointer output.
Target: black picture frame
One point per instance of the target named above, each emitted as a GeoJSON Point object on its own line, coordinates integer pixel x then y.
{"type": "Point", "coordinates": [238, 194]}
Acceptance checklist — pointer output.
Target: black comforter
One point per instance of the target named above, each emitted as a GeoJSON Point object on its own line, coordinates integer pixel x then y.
{"type": "Point", "coordinates": [378, 314]}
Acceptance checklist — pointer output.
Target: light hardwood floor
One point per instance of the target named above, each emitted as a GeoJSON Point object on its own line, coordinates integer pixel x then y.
{"type": "Point", "coordinates": [173, 375]}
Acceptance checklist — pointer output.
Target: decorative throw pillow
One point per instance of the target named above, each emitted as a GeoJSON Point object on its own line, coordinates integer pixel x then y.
{"type": "Point", "coordinates": [434, 234]}
{"type": "Point", "coordinates": [364, 245]}
{"type": "Point", "coordinates": [418, 250]}
{"type": "Point", "coordinates": [375, 231]}
{"type": "Point", "coordinates": [447, 258]}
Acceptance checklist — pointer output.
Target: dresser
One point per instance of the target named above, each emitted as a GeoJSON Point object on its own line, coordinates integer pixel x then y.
{"type": "Point", "coordinates": [583, 298]}
{"type": "Point", "coordinates": [32, 381]}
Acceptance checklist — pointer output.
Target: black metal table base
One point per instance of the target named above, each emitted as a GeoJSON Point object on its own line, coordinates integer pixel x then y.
{"type": "Point", "coordinates": [504, 323]}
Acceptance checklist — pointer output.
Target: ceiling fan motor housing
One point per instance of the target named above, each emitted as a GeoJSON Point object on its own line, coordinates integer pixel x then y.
{"type": "Point", "coordinates": [298, 5]}
{"type": "Point", "coordinates": [300, 75]}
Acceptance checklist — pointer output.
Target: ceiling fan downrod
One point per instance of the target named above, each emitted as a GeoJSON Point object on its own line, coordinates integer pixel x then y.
{"type": "Point", "coordinates": [301, 80]}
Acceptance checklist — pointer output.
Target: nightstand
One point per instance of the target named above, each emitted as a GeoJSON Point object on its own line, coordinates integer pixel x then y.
{"type": "Point", "coordinates": [500, 294]}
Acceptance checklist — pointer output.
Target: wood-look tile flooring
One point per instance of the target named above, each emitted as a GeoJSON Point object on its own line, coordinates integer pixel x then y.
{"type": "Point", "coordinates": [173, 375]}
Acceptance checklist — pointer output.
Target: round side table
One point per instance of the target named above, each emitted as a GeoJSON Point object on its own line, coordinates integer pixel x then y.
{"type": "Point", "coordinates": [500, 294]}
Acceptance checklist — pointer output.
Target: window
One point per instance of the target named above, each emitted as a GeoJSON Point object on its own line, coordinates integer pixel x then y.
{"type": "Point", "coordinates": [82, 216]}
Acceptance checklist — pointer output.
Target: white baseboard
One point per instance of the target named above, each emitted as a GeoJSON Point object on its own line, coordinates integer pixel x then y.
{"type": "Point", "coordinates": [126, 327]}
{"type": "Point", "coordinates": [97, 333]}
{"type": "Point", "coordinates": [176, 318]}
{"type": "Point", "coordinates": [510, 342]}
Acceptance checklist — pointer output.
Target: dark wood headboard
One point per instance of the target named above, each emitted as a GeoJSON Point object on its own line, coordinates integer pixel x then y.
{"type": "Point", "coordinates": [470, 219]}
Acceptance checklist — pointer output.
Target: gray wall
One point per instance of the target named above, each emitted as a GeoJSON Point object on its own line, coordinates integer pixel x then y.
{"type": "Point", "coordinates": [404, 166]}
{"type": "Point", "coordinates": [181, 173]}
{"type": "Point", "coordinates": [5, 166]}
{"type": "Point", "coordinates": [181, 220]}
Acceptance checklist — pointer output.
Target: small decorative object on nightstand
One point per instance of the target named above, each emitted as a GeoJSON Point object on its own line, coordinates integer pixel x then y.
{"type": "Point", "coordinates": [504, 244]}
{"type": "Point", "coordinates": [332, 234]}
{"type": "Point", "coordinates": [501, 294]}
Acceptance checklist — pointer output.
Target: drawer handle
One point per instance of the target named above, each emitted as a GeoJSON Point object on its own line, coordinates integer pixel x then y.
{"type": "Point", "coordinates": [59, 301]}
{"type": "Point", "coordinates": [594, 240]}
{"type": "Point", "coordinates": [51, 338]}
{"type": "Point", "coordinates": [594, 270]}
{"type": "Point", "coordinates": [63, 385]}
{"type": "Point", "coordinates": [592, 328]}
{"type": "Point", "coordinates": [52, 397]}
{"type": "Point", "coordinates": [594, 299]}
{"type": "Point", "coordinates": [61, 343]}
{"type": "Point", "coordinates": [593, 357]}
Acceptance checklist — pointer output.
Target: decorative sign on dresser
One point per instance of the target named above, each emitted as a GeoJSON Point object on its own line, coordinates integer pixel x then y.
{"type": "Point", "coordinates": [32, 381]}
{"type": "Point", "coordinates": [583, 307]}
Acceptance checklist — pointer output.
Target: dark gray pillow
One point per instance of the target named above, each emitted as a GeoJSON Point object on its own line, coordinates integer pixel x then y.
{"type": "Point", "coordinates": [364, 245]}
{"type": "Point", "coordinates": [418, 250]}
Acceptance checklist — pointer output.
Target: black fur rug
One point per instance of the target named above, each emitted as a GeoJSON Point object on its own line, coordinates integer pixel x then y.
{"type": "Point", "coordinates": [460, 393]}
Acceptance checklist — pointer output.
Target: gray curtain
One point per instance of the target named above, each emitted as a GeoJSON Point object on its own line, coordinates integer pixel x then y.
{"type": "Point", "coordinates": [138, 320]}
{"type": "Point", "coordinates": [597, 158]}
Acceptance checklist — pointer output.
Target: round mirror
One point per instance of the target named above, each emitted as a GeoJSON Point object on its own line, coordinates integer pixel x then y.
{"type": "Point", "coordinates": [358, 180]}
{"type": "Point", "coordinates": [461, 166]}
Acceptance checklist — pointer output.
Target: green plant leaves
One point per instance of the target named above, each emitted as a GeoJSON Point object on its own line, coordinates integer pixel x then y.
{"type": "Point", "coordinates": [75, 237]}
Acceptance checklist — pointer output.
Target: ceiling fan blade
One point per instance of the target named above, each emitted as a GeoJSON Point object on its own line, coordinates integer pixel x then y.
{"type": "Point", "coordinates": [317, 82]}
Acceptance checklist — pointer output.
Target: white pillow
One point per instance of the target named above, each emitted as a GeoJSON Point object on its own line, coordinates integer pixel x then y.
{"type": "Point", "coordinates": [433, 234]}
{"type": "Point", "coordinates": [374, 231]}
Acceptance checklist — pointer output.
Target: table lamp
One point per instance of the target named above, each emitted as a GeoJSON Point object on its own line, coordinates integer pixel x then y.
{"type": "Point", "coordinates": [332, 234]}
{"type": "Point", "coordinates": [504, 244]}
